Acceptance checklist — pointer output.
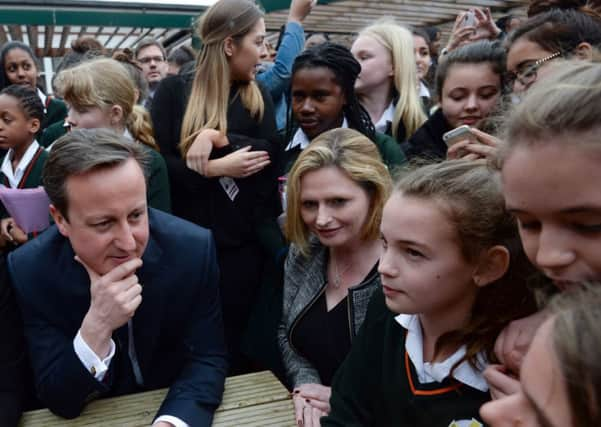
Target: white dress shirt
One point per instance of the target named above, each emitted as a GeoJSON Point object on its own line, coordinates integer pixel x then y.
{"type": "Point", "coordinates": [438, 371]}
{"type": "Point", "coordinates": [301, 139]}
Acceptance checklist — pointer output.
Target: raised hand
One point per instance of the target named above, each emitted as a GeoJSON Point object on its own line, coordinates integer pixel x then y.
{"type": "Point", "coordinates": [115, 296]}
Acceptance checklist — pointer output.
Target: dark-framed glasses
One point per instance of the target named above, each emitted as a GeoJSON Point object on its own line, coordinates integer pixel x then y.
{"type": "Point", "coordinates": [528, 72]}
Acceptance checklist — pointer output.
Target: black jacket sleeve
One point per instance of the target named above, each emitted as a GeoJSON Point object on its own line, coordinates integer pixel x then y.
{"type": "Point", "coordinates": [13, 363]}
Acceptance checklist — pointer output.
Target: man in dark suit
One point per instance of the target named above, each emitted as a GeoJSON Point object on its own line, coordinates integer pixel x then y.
{"type": "Point", "coordinates": [118, 298]}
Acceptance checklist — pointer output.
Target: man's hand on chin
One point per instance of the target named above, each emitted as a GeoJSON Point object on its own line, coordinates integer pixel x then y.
{"type": "Point", "coordinates": [115, 296]}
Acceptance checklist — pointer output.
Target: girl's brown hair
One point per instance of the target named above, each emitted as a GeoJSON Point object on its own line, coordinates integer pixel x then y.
{"type": "Point", "coordinates": [561, 31]}
{"type": "Point", "coordinates": [103, 83]}
{"type": "Point", "coordinates": [568, 103]}
{"type": "Point", "coordinates": [470, 195]}
{"type": "Point", "coordinates": [208, 103]}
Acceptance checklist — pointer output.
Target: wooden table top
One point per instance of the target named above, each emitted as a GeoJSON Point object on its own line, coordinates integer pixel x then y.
{"type": "Point", "coordinates": [257, 399]}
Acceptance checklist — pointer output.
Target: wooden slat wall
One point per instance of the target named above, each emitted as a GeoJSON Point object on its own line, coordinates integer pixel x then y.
{"type": "Point", "coordinates": [342, 19]}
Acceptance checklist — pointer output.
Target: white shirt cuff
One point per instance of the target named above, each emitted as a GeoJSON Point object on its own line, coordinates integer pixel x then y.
{"type": "Point", "coordinates": [96, 366]}
{"type": "Point", "coordinates": [173, 420]}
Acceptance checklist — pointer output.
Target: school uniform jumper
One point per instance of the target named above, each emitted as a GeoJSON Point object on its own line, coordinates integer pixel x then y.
{"type": "Point", "coordinates": [31, 164]}
{"type": "Point", "coordinates": [379, 384]}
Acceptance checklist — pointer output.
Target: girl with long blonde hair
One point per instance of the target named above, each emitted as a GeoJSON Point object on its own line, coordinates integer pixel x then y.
{"type": "Point", "coordinates": [220, 156]}
{"type": "Point", "coordinates": [388, 84]}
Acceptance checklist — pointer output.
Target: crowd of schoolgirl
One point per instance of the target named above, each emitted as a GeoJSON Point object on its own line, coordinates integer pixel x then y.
{"type": "Point", "coordinates": [407, 282]}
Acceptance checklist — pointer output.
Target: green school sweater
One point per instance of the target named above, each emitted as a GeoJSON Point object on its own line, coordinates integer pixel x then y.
{"type": "Point", "coordinates": [377, 384]}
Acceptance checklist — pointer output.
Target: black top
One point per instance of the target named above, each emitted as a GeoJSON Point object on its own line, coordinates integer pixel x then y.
{"type": "Point", "coordinates": [323, 337]}
{"type": "Point", "coordinates": [426, 142]}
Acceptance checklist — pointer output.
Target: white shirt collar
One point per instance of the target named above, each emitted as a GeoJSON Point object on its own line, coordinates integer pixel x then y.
{"type": "Point", "coordinates": [387, 116]}
{"type": "Point", "coordinates": [127, 135]}
{"type": "Point", "coordinates": [301, 139]}
{"type": "Point", "coordinates": [438, 371]}
{"type": "Point", "coordinates": [14, 177]}
{"type": "Point", "coordinates": [423, 90]}
{"type": "Point", "coordinates": [43, 98]}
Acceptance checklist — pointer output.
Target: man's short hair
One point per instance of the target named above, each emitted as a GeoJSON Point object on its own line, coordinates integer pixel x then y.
{"type": "Point", "coordinates": [149, 41]}
{"type": "Point", "coordinates": [82, 151]}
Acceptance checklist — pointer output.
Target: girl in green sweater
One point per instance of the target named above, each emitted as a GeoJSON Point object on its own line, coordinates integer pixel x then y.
{"type": "Point", "coordinates": [101, 94]}
{"type": "Point", "coordinates": [453, 276]}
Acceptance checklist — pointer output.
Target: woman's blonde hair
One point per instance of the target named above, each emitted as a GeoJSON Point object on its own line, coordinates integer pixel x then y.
{"type": "Point", "coordinates": [355, 155]}
{"type": "Point", "coordinates": [103, 83]}
{"type": "Point", "coordinates": [398, 41]}
{"type": "Point", "coordinates": [568, 102]}
{"type": "Point", "coordinates": [469, 194]}
{"type": "Point", "coordinates": [210, 97]}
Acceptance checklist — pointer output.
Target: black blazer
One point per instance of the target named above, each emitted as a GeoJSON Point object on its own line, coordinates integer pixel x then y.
{"type": "Point", "coordinates": [13, 379]}
{"type": "Point", "coordinates": [426, 142]}
{"type": "Point", "coordinates": [178, 329]}
{"type": "Point", "coordinates": [251, 217]}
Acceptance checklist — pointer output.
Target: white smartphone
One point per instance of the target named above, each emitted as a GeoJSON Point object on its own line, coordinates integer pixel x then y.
{"type": "Point", "coordinates": [458, 134]}
{"type": "Point", "coordinates": [469, 19]}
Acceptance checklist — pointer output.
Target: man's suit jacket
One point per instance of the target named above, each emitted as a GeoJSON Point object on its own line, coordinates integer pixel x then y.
{"type": "Point", "coordinates": [178, 330]}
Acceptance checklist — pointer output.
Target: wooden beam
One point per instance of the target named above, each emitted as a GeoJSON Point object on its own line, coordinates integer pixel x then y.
{"type": "Point", "coordinates": [3, 37]}
{"type": "Point", "coordinates": [115, 31]}
{"type": "Point", "coordinates": [63, 42]}
{"type": "Point", "coordinates": [133, 30]}
{"type": "Point", "coordinates": [142, 35]}
{"type": "Point", "coordinates": [32, 33]}
{"type": "Point", "coordinates": [82, 32]}
{"type": "Point", "coordinates": [16, 34]}
{"type": "Point", "coordinates": [48, 36]}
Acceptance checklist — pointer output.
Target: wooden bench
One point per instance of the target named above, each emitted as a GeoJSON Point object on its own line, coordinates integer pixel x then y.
{"type": "Point", "coordinates": [257, 399]}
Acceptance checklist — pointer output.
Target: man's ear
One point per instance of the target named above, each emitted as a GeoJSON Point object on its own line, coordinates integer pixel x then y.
{"type": "Point", "coordinates": [228, 47]}
{"type": "Point", "coordinates": [493, 264]}
{"type": "Point", "coordinates": [584, 51]}
{"type": "Point", "coordinates": [60, 221]}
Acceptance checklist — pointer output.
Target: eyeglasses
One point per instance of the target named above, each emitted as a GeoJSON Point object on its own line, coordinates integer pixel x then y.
{"type": "Point", "coordinates": [528, 73]}
{"type": "Point", "coordinates": [149, 59]}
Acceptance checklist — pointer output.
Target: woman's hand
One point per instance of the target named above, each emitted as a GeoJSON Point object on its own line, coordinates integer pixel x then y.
{"type": "Point", "coordinates": [11, 231]}
{"type": "Point", "coordinates": [460, 35]}
{"type": "Point", "coordinates": [311, 402]}
{"type": "Point", "coordinates": [239, 164]}
{"type": "Point", "coordinates": [501, 382]}
{"type": "Point", "coordinates": [486, 29]}
{"type": "Point", "coordinates": [197, 157]}
{"type": "Point", "coordinates": [513, 342]}
{"type": "Point", "coordinates": [480, 145]}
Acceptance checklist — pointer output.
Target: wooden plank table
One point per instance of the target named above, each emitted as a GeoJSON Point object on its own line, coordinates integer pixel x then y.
{"type": "Point", "coordinates": [257, 399]}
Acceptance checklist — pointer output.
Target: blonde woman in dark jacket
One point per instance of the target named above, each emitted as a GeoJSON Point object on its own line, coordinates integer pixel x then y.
{"type": "Point", "coordinates": [335, 195]}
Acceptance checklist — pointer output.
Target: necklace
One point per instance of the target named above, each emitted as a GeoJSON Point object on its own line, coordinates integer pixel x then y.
{"type": "Point", "coordinates": [337, 274]}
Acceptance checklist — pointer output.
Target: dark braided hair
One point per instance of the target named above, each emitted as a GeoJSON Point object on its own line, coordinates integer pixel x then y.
{"type": "Point", "coordinates": [4, 51]}
{"type": "Point", "coordinates": [345, 67]}
{"type": "Point", "coordinates": [29, 101]}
